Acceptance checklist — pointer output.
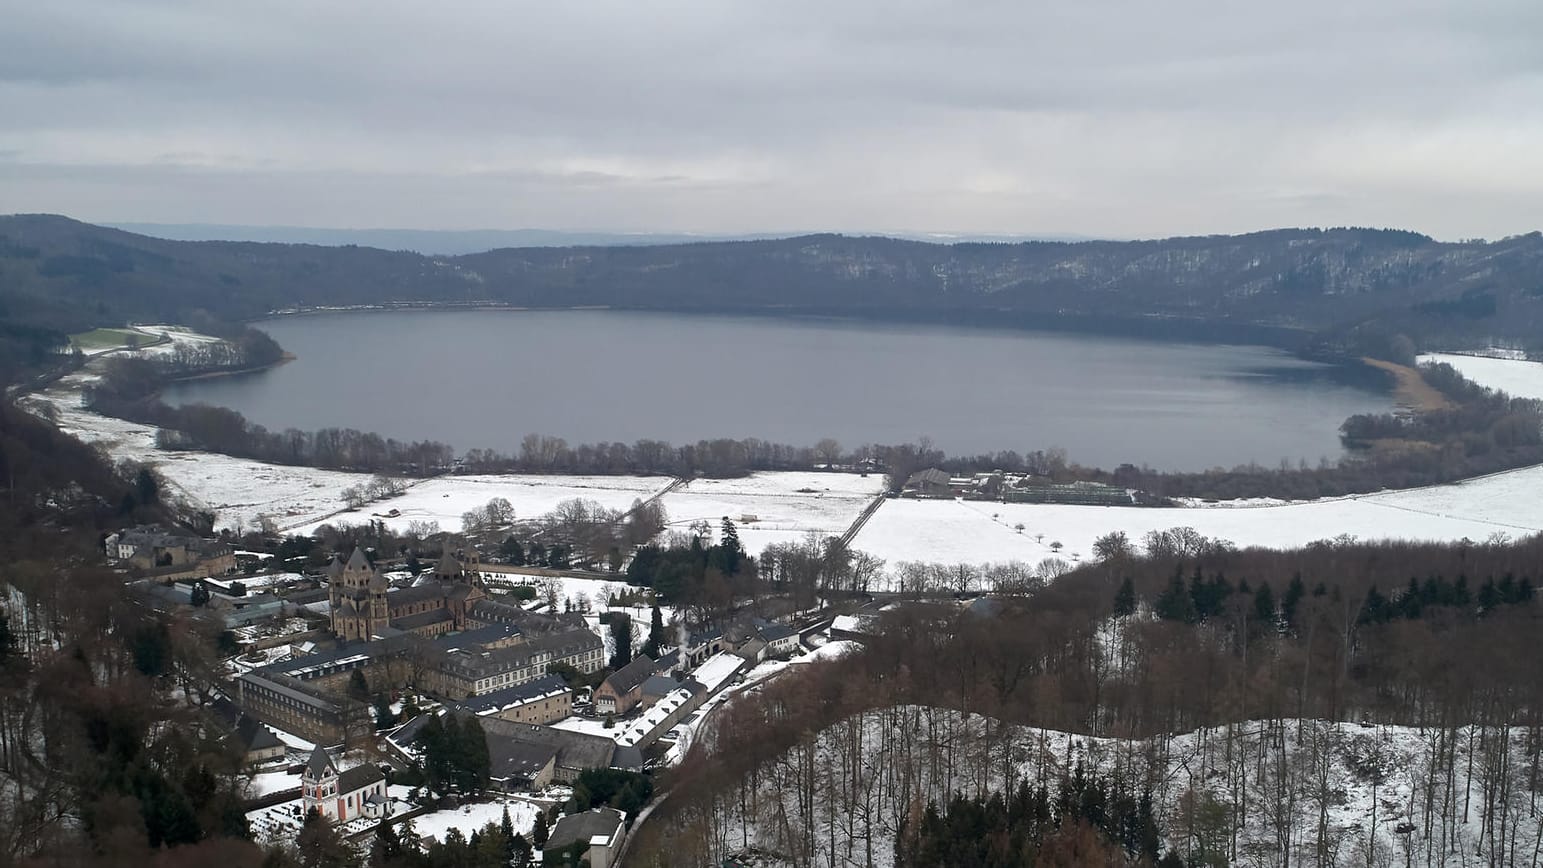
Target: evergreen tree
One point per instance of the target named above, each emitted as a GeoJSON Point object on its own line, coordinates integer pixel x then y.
{"type": "Point", "coordinates": [557, 557]}
{"type": "Point", "coordinates": [1264, 605]}
{"type": "Point", "coordinates": [621, 639]}
{"type": "Point", "coordinates": [506, 826]}
{"type": "Point", "coordinates": [358, 687]}
{"type": "Point", "coordinates": [1176, 603]}
{"type": "Point", "coordinates": [386, 847]}
{"type": "Point", "coordinates": [1289, 601]}
{"type": "Point", "coordinates": [538, 835]}
{"type": "Point", "coordinates": [319, 845]}
{"type": "Point", "coordinates": [1125, 599]}
{"type": "Point", "coordinates": [512, 551]}
{"type": "Point", "coordinates": [656, 635]}
{"type": "Point", "coordinates": [1375, 609]}
{"type": "Point", "coordinates": [384, 716]}
{"type": "Point", "coordinates": [521, 851]}
{"type": "Point", "coordinates": [729, 553]}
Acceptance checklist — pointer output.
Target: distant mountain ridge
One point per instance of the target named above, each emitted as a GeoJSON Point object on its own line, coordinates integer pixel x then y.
{"type": "Point", "coordinates": [458, 242]}
{"type": "Point", "coordinates": [1341, 287]}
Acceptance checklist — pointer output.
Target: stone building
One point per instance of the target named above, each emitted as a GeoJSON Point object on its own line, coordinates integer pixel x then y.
{"type": "Point", "coordinates": [364, 606]}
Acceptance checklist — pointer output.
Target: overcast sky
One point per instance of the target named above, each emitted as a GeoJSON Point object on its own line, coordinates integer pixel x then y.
{"type": "Point", "coordinates": [1116, 119]}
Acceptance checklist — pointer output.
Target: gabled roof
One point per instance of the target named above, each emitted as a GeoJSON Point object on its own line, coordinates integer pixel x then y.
{"type": "Point", "coordinates": [633, 674]}
{"type": "Point", "coordinates": [319, 764]}
{"type": "Point", "coordinates": [773, 632]}
{"type": "Point", "coordinates": [930, 476]}
{"type": "Point", "coordinates": [253, 736]}
{"type": "Point", "coordinates": [359, 777]}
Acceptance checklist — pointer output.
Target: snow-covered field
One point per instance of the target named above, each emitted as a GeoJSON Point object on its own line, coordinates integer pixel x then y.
{"type": "Point", "coordinates": [954, 531]}
{"type": "Point", "coordinates": [1517, 378]}
{"type": "Point", "coordinates": [785, 506]}
{"type": "Point", "coordinates": [445, 499]}
{"type": "Point", "coordinates": [472, 818]}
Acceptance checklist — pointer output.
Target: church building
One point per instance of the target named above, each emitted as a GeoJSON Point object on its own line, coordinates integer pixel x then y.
{"type": "Point", "coordinates": [364, 605]}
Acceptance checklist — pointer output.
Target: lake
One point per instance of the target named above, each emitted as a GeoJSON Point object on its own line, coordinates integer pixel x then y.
{"type": "Point", "coordinates": [487, 378]}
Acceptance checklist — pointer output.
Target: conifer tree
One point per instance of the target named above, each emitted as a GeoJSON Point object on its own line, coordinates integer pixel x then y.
{"type": "Point", "coordinates": [1125, 599]}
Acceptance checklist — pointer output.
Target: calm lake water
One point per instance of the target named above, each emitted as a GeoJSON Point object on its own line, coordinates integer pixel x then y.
{"type": "Point", "coordinates": [485, 379]}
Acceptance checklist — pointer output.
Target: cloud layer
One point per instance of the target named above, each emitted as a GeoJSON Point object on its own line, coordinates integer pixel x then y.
{"type": "Point", "coordinates": [1102, 117]}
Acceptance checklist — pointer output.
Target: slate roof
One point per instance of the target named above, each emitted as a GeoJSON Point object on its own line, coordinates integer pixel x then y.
{"type": "Point", "coordinates": [575, 750]}
{"type": "Point", "coordinates": [487, 703]}
{"type": "Point", "coordinates": [253, 736]}
{"type": "Point", "coordinates": [421, 619]}
{"type": "Point", "coordinates": [357, 560]}
{"type": "Point", "coordinates": [319, 763]}
{"type": "Point", "coordinates": [772, 632]}
{"type": "Point", "coordinates": [510, 758]}
{"type": "Point", "coordinates": [633, 674]}
{"type": "Point", "coordinates": [660, 685]}
{"type": "Point", "coordinates": [359, 777]}
{"type": "Point", "coordinates": [598, 823]}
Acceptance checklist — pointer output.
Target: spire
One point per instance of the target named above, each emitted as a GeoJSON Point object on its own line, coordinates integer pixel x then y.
{"type": "Point", "coordinates": [319, 764]}
{"type": "Point", "coordinates": [335, 568]}
{"type": "Point", "coordinates": [357, 562]}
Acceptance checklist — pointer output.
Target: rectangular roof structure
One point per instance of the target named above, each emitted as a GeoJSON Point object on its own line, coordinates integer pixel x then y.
{"type": "Point", "coordinates": [520, 694]}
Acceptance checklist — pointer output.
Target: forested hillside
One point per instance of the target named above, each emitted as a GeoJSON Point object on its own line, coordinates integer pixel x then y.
{"type": "Point", "coordinates": [1273, 707]}
{"type": "Point", "coordinates": [1341, 288]}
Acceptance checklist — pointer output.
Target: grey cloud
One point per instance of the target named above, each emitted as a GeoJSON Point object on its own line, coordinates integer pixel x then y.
{"type": "Point", "coordinates": [1099, 117]}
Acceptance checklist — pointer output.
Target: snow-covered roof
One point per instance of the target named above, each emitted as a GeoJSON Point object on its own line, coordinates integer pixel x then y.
{"type": "Point", "coordinates": [718, 669]}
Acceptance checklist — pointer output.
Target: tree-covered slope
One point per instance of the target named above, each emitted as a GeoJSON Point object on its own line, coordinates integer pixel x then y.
{"type": "Point", "coordinates": [66, 274]}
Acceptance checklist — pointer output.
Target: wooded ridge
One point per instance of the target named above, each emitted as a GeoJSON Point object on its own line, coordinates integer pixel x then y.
{"type": "Point", "coordinates": [1331, 290]}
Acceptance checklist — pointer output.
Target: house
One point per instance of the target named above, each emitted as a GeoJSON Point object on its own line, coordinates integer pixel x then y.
{"type": "Point", "coordinates": [256, 742]}
{"type": "Point", "coordinates": [752, 649]}
{"type": "Point", "coordinates": [544, 700]}
{"type": "Point", "coordinates": [597, 835]}
{"type": "Point", "coordinates": [779, 640]}
{"type": "Point", "coordinates": [931, 482]}
{"type": "Point", "coordinates": [343, 796]}
{"type": "Point", "coordinates": [696, 646]}
{"type": "Point", "coordinates": [620, 692]}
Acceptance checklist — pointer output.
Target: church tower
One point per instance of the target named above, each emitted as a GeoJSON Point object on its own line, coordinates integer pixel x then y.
{"type": "Point", "coordinates": [358, 597]}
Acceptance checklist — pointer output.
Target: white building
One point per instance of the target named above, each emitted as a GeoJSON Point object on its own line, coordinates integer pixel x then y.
{"type": "Point", "coordinates": [343, 796]}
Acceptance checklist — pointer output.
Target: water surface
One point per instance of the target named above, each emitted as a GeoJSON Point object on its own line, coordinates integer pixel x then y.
{"type": "Point", "coordinates": [485, 379]}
